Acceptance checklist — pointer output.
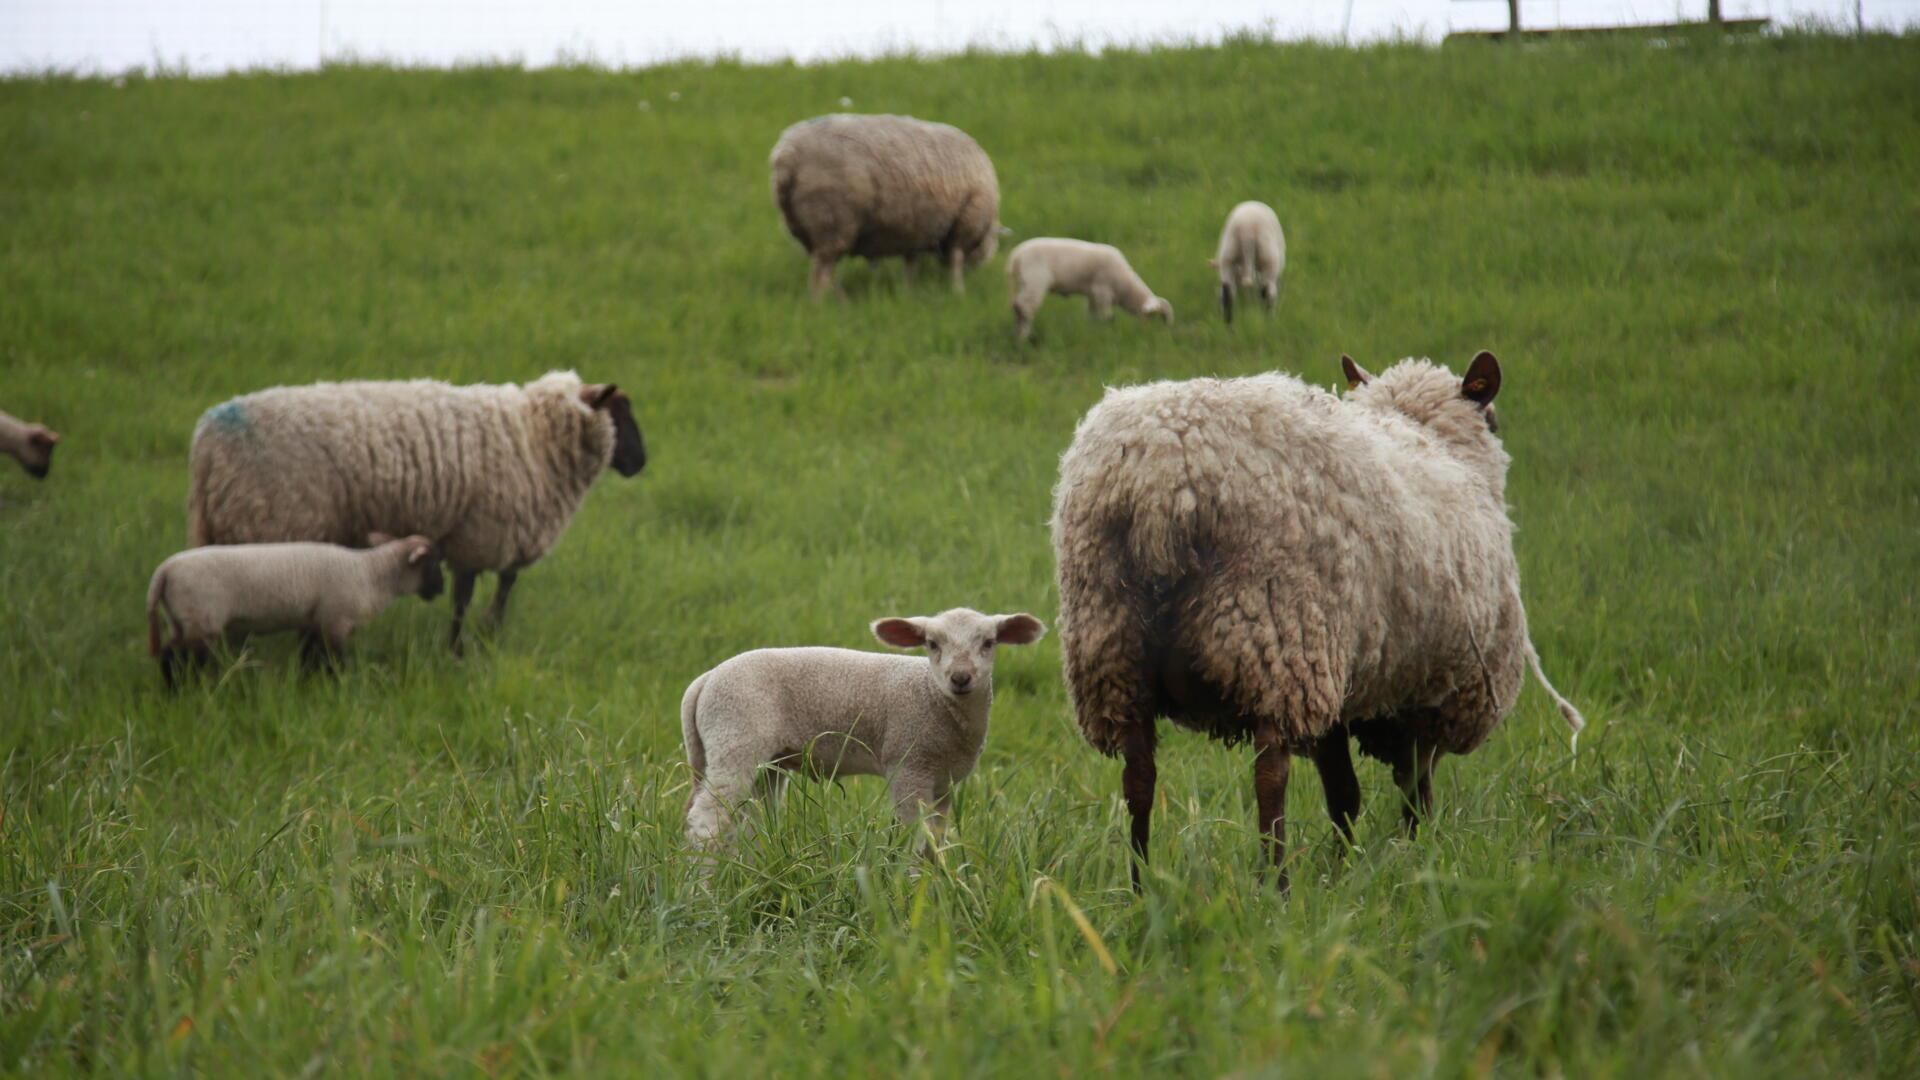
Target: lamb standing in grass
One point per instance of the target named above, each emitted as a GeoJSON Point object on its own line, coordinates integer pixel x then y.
{"type": "Point", "coordinates": [1252, 248]}
{"type": "Point", "coordinates": [1258, 560]}
{"type": "Point", "coordinates": [29, 444]}
{"type": "Point", "coordinates": [840, 712]}
{"type": "Point", "coordinates": [493, 474]}
{"type": "Point", "coordinates": [878, 186]}
{"type": "Point", "coordinates": [1048, 264]}
{"type": "Point", "coordinates": [324, 590]}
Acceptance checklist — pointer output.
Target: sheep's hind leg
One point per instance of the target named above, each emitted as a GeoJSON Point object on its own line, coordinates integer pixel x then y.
{"type": "Point", "coordinates": [820, 278]}
{"type": "Point", "coordinates": [463, 581]}
{"type": "Point", "coordinates": [497, 613]}
{"type": "Point", "coordinates": [1226, 302]}
{"type": "Point", "coordinates": [957, 260]}
{"type": "Point", "coordinates": [1333, 759]}
{"type": "Point", "coordinates": [1270, 767]}
{"type": "Point", "coordinates": [1413, 773]}
{"type": "Point", "coordinates": [1136, 785]}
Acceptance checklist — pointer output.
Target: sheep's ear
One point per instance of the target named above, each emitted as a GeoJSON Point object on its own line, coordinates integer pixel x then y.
{"type": "Point", "coordinates": [1356, 375]}
{"type": "Point", "coordinates": [378, 539]}
{"type": "Point", "coordinates": [44, 438]}
{"type": "Point", "coordinates": [1021, 629]}
{"type": "Point", "coordinates": [598, 397]}
{"type": "Point", "coordinates": [1215, 263]}
{"type": "Point", "coordinates": [1482, 380]}
{"type": "Point", "coordinates": [899, 633]}
{"type": "Point", "coordinates": [419, 554]}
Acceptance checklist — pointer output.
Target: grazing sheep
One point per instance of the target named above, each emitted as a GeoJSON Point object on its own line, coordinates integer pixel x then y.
{"type": "Point", "coordinates": [1258, 560]}
{"type": "Point", "coordinates": [878, 186]}
{"type": "Point", "coordinates": [29, 444]}
{"type": "Point", "coordinates": [1050, 264]}
{"type": "Point", "coordinates": [1252, 248]}
{"type": "Point", "coordinates": [324, 590]}
{"type": "Point", "coordinates": [493, 474]}
{"type": "Point", "coordinates": [839, 712]}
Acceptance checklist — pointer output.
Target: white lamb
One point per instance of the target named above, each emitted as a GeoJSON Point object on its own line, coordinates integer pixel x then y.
{"type": "Point", "coordinates": [1099, 272]}
{"type": "Point", "coordinates": [29, 444]}
{"type": "Point", "coordinates": [1252, 248]}
{"type": "Point", "coordinates": [839, 712]}
{"type": "Point", "coordinates": [325, 590]}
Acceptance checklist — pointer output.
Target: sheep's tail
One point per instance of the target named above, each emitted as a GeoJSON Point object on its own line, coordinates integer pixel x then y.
{"type": "Point", "coordinates": [1574, 720]}
{"type": "Point", "coordinates": [156, 599]}
{"type": "Point", "coordinates": [690, 730]}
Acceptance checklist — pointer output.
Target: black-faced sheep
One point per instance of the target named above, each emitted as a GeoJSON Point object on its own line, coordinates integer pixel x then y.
{"type": "Point", "coordinates": [1259, 560]}
{"type": "Point", "coordinates": [878, 186]}
{"type": "Point", "coordinates": [492, 474]}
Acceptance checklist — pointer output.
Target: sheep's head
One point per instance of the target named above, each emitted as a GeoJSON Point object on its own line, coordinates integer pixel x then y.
{"type": "Point", "coordinates": [1457, 409]}
{"type": "Point", "coordinates": [422, 563]}
{"type": "Point", "coordinates": [1158, 307]}
{"type": "Point", "coordinates": [959, 643]}
{"type": "Point", "coordinates": [629, 451]}
{"type": "Point", "coordinates": [36, 451]}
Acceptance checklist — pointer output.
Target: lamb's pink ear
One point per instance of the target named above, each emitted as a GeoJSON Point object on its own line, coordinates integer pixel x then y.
{"type": "Point", "coordinates": [44, 437]}
{"type": "Point", "coordinates": [419, 554]}
{"type": "Point", "coordinates": [1215, 263]}
{"type": "Point", "coordinates": [378, 539]}
{"type": "Point", "coordinates": [1356, 375]}
{"type": "Point", "coordinates": [1021, 629]}
{"type": "Point", "coordinates": [598, 397]}
{"type": "Point", "coordinates": [899, 633]}
{"type": "Point", "coordinates": [1482, 380]}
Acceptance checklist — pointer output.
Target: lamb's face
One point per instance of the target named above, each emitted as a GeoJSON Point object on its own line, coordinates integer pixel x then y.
{"type": "Point", "coordinates": [1459, 409]}
{"type": "Point", "coordinates": [36, 451]}
{"type": "Point", "coordinates": [960, 644]}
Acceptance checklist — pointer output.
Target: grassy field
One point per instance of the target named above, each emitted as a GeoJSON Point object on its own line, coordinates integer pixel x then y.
{"type": "Point", "coordinates": [1699, 264]}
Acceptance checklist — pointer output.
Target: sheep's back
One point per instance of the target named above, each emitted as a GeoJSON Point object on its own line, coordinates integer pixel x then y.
{"type": "Point", "coordinates": [900, 182]}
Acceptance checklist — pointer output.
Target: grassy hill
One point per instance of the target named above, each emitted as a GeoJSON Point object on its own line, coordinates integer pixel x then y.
{"type": "Point", "coordinates": [1700, 265]}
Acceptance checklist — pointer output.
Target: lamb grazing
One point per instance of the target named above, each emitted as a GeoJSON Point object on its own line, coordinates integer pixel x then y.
{"type": "Point", "coordinates": [1048, 264]}
{"type": "Point", "coordinates": [324, 590]}
{"type": "Point", "coordinates": [1252, 248]}
{"type": "Point", "coordinates": [29, 444]}
{"type": "Point", "coordinates": [878, 186]}
{"type": "Point", "coordinates": [493, 474]}
{"type": "Point", "coordinates": [838, 712]}
{"type": "Point", "coordinates": [1258, 560]}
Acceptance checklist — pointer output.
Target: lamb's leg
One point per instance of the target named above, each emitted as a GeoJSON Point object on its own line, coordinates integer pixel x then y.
{"type": "Point", "coordinates": [1136, 785]}
{"type": "Point", "coordinates": [1335, 762]}
{"type": "Point", "coordinates": [463, 581]}
{"type": "Point", "coordinates": [1022, 322]}
{"type": "Point", "coordinates": [169, 664]}
{"type": "Point", "coordinates": [1269, 293]}
{"type": "Point", "coordinates": [1100, 302]}
{"type": "Point", "coordinates": [1226, 302]}
{"type": "Point", "coordinates": [1270, 765]}
{"type": "Point", "coordinates": [497, 614]}
{"type": "Point", "coordinates": [918, 798]}
{"type": "Point", "coordinates": [957, 260]}
{"type": "Point", "coordinates": [717, 798]}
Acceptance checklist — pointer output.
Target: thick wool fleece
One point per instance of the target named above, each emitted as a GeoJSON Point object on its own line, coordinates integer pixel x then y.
{"type": "Point", "coordinates": [492, 473]}
{"type": "Point", "coordinates": [262, 588]}
{"type": "Point", "coordinates": [1256, 552]}
{"type": "Point", "coordinates": [886, 185]}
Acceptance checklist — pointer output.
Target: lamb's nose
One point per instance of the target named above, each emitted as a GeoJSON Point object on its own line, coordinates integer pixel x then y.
{"type": "Point", "coordinates": [962, 679]}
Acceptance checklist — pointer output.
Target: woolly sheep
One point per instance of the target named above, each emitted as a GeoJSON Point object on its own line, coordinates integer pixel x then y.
{"type": "Point", "coordinates": [1259, 560]}
{"type": "Point", "coordinates": [1252, 248]}
{"type": "Point", "coordinates": [878, 186]}
{"type": "Point", "coordinates": [1099, 272]}
{"type": "Point", "coordinates": [493, 474]}
{"type": "Point", "coordinates": [29, 444]}
{"type": "Point", "coordinates": [839, 712]}
{"type": "Point", "coordinates": [324, 590]}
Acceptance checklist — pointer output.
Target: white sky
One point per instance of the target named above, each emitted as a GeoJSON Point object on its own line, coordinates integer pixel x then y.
{"type": "Point", "coordinates": [210, 36]}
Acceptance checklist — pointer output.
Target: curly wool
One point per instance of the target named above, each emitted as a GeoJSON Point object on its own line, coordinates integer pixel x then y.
{"type": "Point", "coordinates": [876, 186]}
{"type": "Point", "coordinates": [1257, 551]}
{"type": "Point", "coordinates": [493, 474]}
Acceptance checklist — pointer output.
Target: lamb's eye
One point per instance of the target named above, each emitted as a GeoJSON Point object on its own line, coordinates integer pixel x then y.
{"type": "Point", "coordinates": [986, 646]}
{"type": "Point", "coordinates": [933, 646]}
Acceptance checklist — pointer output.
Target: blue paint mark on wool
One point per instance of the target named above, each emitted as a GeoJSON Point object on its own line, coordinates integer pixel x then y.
{"type": "Point", "coordinates": [229, 418]}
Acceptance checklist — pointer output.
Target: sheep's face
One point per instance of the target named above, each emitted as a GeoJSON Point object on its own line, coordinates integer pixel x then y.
{"type": "Point", "coordinates": [629, 451]}
{"type": "Point", "coordinates": [1459, 409]}
{"type": "Point", "coordinates": [36, 451]}
{"type": "Point", "coordinates": [1158, 308]}
{"type": "Point", "coordinates": [960, 644]}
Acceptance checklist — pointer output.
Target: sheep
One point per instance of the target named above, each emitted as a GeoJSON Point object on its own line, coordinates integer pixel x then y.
{"type": "Point", "coordinates": [1259, 560]}
{"type": "Point", "coordinates": [324, 590]}
{"type": "Point", "coordinates": [29, 444]}
{"type": "Point", "coordinates": [1252, 247]}
{"type": "Point", "coordinates": [1099, 272]}
{"type": "Point", "coordinates": [493, 474]}
{"type": "Point", "coordinates": [878, 186]}
{"type": "Point", "coordinates": [839, 712]}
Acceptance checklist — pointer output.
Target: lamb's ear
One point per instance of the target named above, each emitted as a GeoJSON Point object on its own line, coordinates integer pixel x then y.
{"type": "Point", "coordinates": [378, 539]}
{"type": "Point", "coordinates": [598, 397]}
{"type": "Point", "coordinates": [419, 554]}
{"type": "Point", "coordinates": [1215, 263]}
{"type": "Point", "coordinates": [1482, 380]}
{"type": "Point", "coordinates": [1356, 375]}
{"type": "Point", "coordinates": [44, 438]}
{"type": "Point", "coordinates": [899, 633]}
{"type": "Point", "coordinates": [1021, 629]}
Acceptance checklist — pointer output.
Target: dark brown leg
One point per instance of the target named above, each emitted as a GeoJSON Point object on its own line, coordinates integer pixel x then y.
{"type": "Point", "coordinates": [1270, 765]}
{"type": "Point", "coordinates": [1136, 785]}
{"type": "Point", "coordinates": [498, 613]}
{"type": "Point", "coordinates": [169, 663]}
{"type": "Point", "coordinates": [463, 581]}
{"type": "Point", "coordinates": [1428, 756]}
{"type": "Point", "coordinates": [1413, 772]}
{"type": "Point", "coordinates": [1335, 762]}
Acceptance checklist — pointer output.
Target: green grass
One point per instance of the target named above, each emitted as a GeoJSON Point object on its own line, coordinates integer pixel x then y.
{"type": "Point", "coordinates": [1700, 266]}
